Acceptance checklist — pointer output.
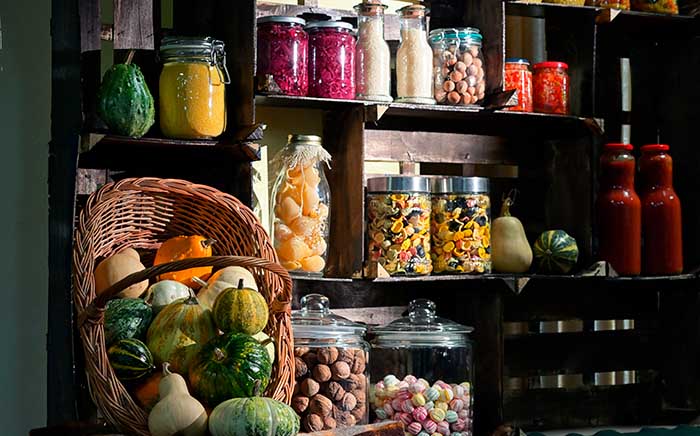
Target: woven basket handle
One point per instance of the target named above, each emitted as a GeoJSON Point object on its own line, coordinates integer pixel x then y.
{"type": "Point", "coordinates": [94, 311]}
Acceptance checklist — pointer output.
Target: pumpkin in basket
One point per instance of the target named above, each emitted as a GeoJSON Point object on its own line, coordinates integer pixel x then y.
{"type": "Point", "coordinates": [116, 267]}
{"type": "Point", "coordinates": [241, 310]}
{"type": "Point", "coordinates": [185, 247]}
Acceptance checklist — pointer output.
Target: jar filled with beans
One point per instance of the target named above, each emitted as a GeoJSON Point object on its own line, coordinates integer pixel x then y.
{"type": "Point", "coordinates": [330, 364]}
{"type": "Point", "coordinates": [460, 225]}
{"type": "Point", "coordinates": [519, 77]}
{"type": "Point", "coordinates": [458, 64]}
{"type": "Point", "coordinates": [551, 88]}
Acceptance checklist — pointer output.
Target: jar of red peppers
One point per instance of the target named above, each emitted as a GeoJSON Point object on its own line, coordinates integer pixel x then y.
{"type": "Point", "coordinates": [283, 47]}
{"type": "Point", "coordinates": [661, 212]}
{"type": "Point", "coordinates": [519, 77]}
{"type": "Point", "coordinates": [619, 211]}
{"type": "Point", "coordinates": [331, 60]}
{"type": "Point", "coordinates": [551, 88]}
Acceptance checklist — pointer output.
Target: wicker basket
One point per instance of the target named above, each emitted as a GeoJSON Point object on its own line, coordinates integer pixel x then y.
{"type": "Point", "coordinates": [142, 213]}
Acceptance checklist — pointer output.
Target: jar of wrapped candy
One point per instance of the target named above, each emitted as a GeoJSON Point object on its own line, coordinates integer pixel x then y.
{"type": "Point", "coordinates": [330, 364]}
{"type": "Point", "coordinates": [460, 225]}
{"type": "Point", "coordinates": [302, 200]}
{"type": "Point", "coordinates": [283, 49]}
{"type": "Point", "coordinates": [551, 88]}
{"type": "Point", "coordinates": [459, 65]}
{"type": "Point", "coordinates": [519, 77]}
{"type": "Point", "coordinates": [331, 60]}
{"type": "Point", "coordinates": [398, 224]}
{"type": "Point", "coordinates": [414, 65]}
{"type": "Point", "coordinates": [422, 365]}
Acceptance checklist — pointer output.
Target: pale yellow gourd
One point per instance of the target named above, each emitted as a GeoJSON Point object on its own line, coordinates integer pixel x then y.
{"type": "Point", "coordinates": [177, 412]}
{"type": "Point", "coordinates": [115, 268]}
{"type": "Point", "coordinates": [223, 279]}
{"type": "Point", "coordinates": [510, 251]}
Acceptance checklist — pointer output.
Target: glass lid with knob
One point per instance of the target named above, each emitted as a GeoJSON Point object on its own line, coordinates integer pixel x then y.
{"type": "Point", "coordinates": [316, 321]}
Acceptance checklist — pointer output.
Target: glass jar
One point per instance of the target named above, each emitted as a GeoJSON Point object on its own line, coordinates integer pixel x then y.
{"type": "Point", "coordinates": [619, 211]}
{"type": "Point", "coordinates": [331, 367]}
{"type": "Point", "coordinates": [331, 60]}
{"type": "Point", "coordinates": [460, 225]}
{"type": "Point", "coordinates": [611, 4]}
{"type": "Point", "coordinates": [192, 102]}
{"type": "Point", "coordinates": [519, 77]}
{"type": "Point", "coordinates": [550, 82]}
{"type": "Point", "coordinates": [459, 65]}
{"type": "Point", "coordinates": [398, 224]}
{"type": "Point", "coordinates": [423, 367]}
{"type": "Point", "coordinates": [372, 56]}
{"type": "Point", "coordinates": [414, 64]}
{"type": "Point", "coordinates": [283, 50]}
{"type": "Point", "coordinates": [302, 198]}
{"type": "Point", "coordinates": [661, 212]}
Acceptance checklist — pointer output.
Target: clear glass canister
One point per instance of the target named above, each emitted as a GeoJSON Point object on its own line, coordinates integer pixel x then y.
{"type": "Point", "coordinates": [330, 364]}
{"type": "Point", "coordinates": [460, 225]}
{"type": "Point", "coordinates": [331, 60]}
{"type": "Point", "coordinates": [373, 57]}
{"type": "Point", "coordinates": [519, 77]}
{"type": "Point", "coordinates": [283, 50]}
{"type": "Point", "coordinates": [302, 198]}
{"type": "Point", "coordinates": [414, 64]}
{"type": "Point", "coordinates": [423, 367]}
{"type": "Point", "coordinates": [398, 224]}
{"type": "Point", "coordinates": [192, 101]}
{"type": "Point", "coordinates": [459, 65]}
{"type": "Point", "coordinates": [550, 82]}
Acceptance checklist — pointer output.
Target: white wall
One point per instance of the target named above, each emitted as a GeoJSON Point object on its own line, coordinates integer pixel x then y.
{"type": "Point", "coordinates": [25, 78]}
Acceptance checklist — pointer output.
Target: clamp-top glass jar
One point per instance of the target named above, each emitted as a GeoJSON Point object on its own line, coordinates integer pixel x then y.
{"type": "Point", "coordinates": [192, 101]}
{"type": "Point", "coordinates": [423, 367]}
{"type": "Point", "coordinates": [414, 65]}
{"type": "Point", "coordinates": [459, 65]}
{"type": "Point", "coordinates": [331, 372]}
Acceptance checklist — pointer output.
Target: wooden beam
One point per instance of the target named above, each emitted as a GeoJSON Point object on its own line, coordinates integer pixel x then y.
{"type": "Point", "coordinates": [90, 25]}
{"type": "Point", "coordinates": [133, 24]}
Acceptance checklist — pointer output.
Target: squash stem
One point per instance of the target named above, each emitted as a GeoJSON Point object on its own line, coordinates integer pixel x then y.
{"type": "Point", "coordinates": [219, 354]}
{"type": "Point", "coordinates": [256, 388]}
{"type": "Point", "coordinates": [240, 283]}
{"type": "Point", "coordinates": [166, 369]}
{"type": "Point", "coordinates": [130, 57]}
{"type": "Point", "coordinates": [199, 281]}
{"type": "Point", "coordinates": [505, 209]}
{"type": "Point", "coordinates": [208, 242]}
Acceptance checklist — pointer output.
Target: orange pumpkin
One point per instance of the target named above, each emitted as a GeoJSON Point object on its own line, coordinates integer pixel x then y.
{"type": "Point", "coordinates": [185, 247]}
{"type": "Point", "coordinates": [146, 394]}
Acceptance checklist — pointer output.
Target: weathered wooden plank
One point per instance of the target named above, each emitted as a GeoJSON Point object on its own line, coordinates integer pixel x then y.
{"type": "Point", "coordinates": [133, 24]}
{"type": "Point", "coordinates": [90, 25]}
{"type": "Point", "coordinates": [489, 17]}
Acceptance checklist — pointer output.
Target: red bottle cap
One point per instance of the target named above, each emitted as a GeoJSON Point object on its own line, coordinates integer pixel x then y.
{"type": "Point", "coordinates": [551, 65]}
{"type": "Point", "coordinates": [618, 146]}
{"type": "Point", "coordinates": [655, 147]}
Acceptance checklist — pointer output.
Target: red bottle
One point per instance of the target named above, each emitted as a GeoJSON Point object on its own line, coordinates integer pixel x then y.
{"type": "Point", "coordinates": [661, 212]}
{"type": "Point", "coordinates": [619, 211]}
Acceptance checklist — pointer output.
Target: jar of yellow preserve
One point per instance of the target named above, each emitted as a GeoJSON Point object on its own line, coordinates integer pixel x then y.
{"type": "Point", "coordinates": [192, 82]}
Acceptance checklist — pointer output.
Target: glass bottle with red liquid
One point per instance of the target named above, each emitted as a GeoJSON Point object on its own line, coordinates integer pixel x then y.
{"type": "Point", "coordinates": [619, 211]}
{"type": "Point", "coordinates": [661, 212]}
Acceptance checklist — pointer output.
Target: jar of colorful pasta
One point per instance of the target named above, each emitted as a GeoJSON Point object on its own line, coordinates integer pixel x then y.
{"type": "Point", "coordinates": [398, 224]}
{"type": "Point", "coordinates": [460, 225]}
{"type": "Point", "coordinates": [331, 60]}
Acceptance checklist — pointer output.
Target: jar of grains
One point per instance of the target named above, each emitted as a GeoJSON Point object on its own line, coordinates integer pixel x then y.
{"type": "Point", "coordinates": [372, 58]}
{"type": "Point", "coordinates": [459, 65]}
{"type": "Point", "coordinates": [519, 77]}
{"type": "Point", "coordinates": [398, 224]}
{"type": "Point", "coordinates": [460, 225]}
{"type": "Point", "coordinates": [283, 50]}
{"type": "Point", "coordinates": [331, 60]}
{"type": "Point", "coordinates": [414, 58]}
{"type": "Point", "coordinates": [550, 82]}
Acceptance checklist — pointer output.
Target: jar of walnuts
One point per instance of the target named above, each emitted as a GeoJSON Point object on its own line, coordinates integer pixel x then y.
{"type": "Point", "coordinates": [331, 370]}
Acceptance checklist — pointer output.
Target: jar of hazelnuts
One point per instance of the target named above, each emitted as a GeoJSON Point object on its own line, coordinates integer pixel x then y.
{"type": "Point", "coordinates": [458, 63]}
{"type": "Point", "coordinates": [331, 371]}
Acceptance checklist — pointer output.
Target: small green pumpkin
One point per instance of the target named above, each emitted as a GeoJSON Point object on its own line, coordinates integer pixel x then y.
{"type": "Point", "coordinates": [130, 359]}
{"type": "Point", "coordinates": [126, 318]}
{"type": "Point", "coordinates": [555, 252]}
{"type": "Point", "coordinates": [241, 310]}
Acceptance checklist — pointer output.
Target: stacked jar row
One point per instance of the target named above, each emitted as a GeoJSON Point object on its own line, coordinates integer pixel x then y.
{"type": "Point", "coordinates": [545, 90]}
{"type": "Point", "coordinates": [418, 225]}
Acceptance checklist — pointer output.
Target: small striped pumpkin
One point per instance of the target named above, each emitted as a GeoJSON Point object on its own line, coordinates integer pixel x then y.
{"type": "Point", "coordinates": [255, 416]}
{"type": "Point", "coordinates": [555, 252]}
{"type": "Point", "coordinates": [130, 359]}
{"type": "Point", "coordinates": [241, 310]}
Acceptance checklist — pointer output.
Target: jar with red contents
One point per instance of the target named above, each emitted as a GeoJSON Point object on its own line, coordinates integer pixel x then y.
{"type": "Point", "coordinates": [331, 60]}
{"type": "Point", "coordinates": [551, 88]}
{"type": "Point", "coordinates": [661, 212]}
{"type": "Point", "coordinates": [519, 77]}
{"type": "Point", "coordinates": [619, 211]}
{"type": "Point", "coordinates": [283, 47]}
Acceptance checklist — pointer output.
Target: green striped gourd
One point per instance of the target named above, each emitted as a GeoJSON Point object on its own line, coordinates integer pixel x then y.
{"type": "Point", "coordinates": [555, 252]}
{"type": "Point", "coordinates": [241, 310]}
{"type": "Point", "coordinates": [130, 359]}
{"type": "Point", "coordinates": [126, 318]}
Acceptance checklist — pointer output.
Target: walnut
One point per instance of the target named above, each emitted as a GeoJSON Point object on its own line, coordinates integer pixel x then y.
{"type": "Point", "coordinates": [346, 355]}
{"type": "Point", "coordinates": [322, 373]}
{"type": "Point", "coordinates": [345, 419]}
{"type": "Point", "coordinates": [359, 412]}
{"type": "Point", "coordinates": [320, 405]}
{"type": "Point", "coordinates": [360, 395]}
{"type": "Point", "coordinates": [297, 388]}
{"type": "Point", "coordinates": [335, 391]}
{"type": "Point", "coordinates": [327, 355]}
{"type": "Point", "coordinates": [300, 368]}
{"type": "Point", "coordinates": [299, 403]}
{"type": "Point", "coordinates": [313, 422]}
{"type": "Point", "coordinates": [310, 359]}
{"type": "Point", "coordinates": [358, 366]}
{"type": "Point", "coordinates": [340, 371]}
{"type": "Point", "coordinates": [328, 423]}
{"type": "Point", "coordinates": [309, 387]}
{"type": "Point", "coordinates": [300, 351]}
{"type": "Point", "coordinates": [348, 402]}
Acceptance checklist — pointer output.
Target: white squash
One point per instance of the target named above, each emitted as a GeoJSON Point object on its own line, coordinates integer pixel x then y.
{"type": "Point", "coordinates": [223, 279]}
{"type": "Point", "coordinates": [115, 268]}
{"type": "Point", "coordinates": [510, 251]}
{"type": "Point", "coordinates": [177, 412]}
{"type": "Point", "coordinates": [164, 292]}
{"type": "Point", "coordinates": [266, 342]}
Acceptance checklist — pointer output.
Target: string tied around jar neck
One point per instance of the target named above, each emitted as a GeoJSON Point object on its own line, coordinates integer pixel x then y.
{"type": "Point", "coordinates": [302, 150]}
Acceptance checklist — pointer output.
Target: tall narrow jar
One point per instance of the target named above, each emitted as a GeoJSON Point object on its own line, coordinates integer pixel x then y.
{"type": "Point", "coordinates": [414, 58]}
{"type": "Point", "coordinates": [372, 54]}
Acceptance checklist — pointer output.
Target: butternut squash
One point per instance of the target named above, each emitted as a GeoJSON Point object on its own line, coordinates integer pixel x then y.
{"type": "Point", "coordinates": [115, 268]}
{"type": "Point", "coordinates": [510, 251]}
{"type": "Point", "coordinates": [177, 412]}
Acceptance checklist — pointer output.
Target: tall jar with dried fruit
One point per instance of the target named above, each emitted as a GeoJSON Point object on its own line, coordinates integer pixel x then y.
{"type": "Point", "coordinates": [302, 201]}
{"type": "Point", "coordinates": [331, 372]}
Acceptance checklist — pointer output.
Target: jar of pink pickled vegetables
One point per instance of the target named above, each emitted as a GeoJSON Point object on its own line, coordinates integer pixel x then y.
{"type": "Point", "coordinates": [283, 47]}
{"type": "Point", "coordinates": [331, 60]}
{"type": "Point", "coordinates": [302, 199]}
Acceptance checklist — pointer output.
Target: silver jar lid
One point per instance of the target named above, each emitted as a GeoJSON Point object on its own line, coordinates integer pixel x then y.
{"type": "Point", "coordinates": [459, 185]}
{"type": "Point", "coordinates": [316, 321]}
{"type": "Point", "coordinates": [329, 24]}
{"type": "Point", "coordinates": [398, 184]}
{"type": "Point", "coordinates": [281, 19]}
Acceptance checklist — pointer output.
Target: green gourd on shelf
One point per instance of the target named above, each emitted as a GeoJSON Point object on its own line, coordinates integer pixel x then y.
{"type": "Point", "coordinates": [555, 252]}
